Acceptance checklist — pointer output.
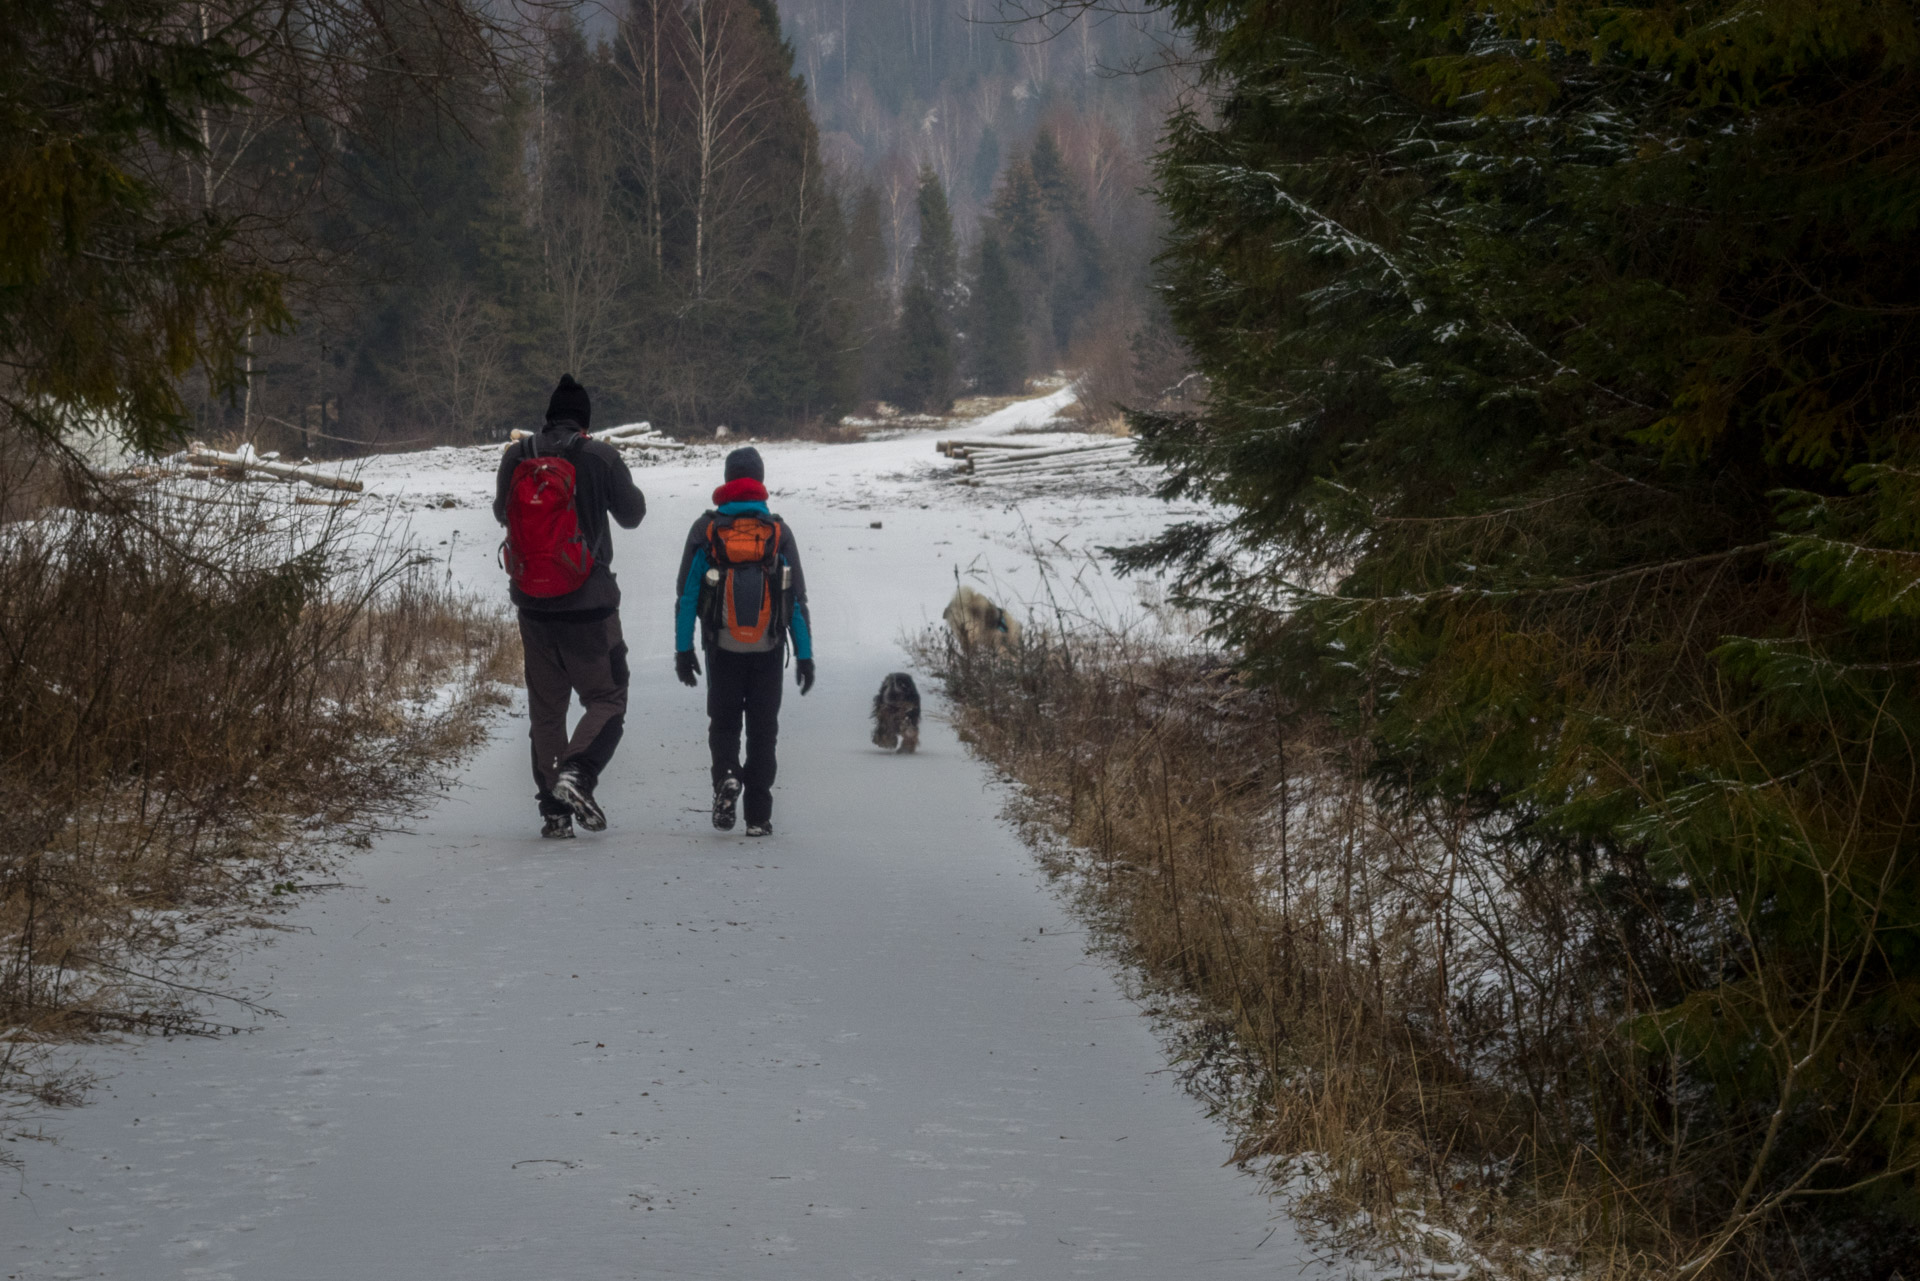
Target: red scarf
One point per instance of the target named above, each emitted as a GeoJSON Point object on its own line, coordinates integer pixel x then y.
{"type": "Point", "coordinates": [744, 490]}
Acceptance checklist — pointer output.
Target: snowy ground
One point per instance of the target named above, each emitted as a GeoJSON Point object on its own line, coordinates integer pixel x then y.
{"type": "Point", "coordinates": [870, 1047]}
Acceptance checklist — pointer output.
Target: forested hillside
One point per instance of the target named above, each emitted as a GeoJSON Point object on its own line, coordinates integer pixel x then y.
{"type": "Point", "coordinates": [648, 211]}
{"type": "Point", "coordinates": [1038, 135]}
{"type": "Point", "coordinates": [641, 195]}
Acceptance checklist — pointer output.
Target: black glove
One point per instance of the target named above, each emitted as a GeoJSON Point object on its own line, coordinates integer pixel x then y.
{"type": "Point", "coordinates": [803, 675]}
{"type": "Point", "coordinates": [686, 667]}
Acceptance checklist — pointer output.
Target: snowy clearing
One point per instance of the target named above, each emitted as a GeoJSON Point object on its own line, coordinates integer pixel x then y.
{"type": "Point", "coordinates": [870, 1047]}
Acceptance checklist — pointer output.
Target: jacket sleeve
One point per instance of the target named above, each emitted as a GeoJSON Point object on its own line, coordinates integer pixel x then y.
{"type": "Point", "coordinates": [802, 619]}
{"type": "Point", "coordinates": [625, 503]}
{"type": "Point", "coordinates": [686, 601]}
{"type": "Point", "coordinates": [509, 459]}
{"type": "Point", "coordinates": [687, 608]}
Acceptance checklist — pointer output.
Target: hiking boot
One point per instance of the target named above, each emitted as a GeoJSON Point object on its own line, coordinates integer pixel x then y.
{"type": "Point", "coordinates": [725, 797]}
{"type": "Point", "coordinates": [558, 827]}
{"type": "Point", "coordinates": [760, 829]}
{"type": "Point", "coordinates": [573, 788]}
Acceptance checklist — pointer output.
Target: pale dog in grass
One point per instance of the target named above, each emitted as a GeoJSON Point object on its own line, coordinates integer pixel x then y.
{"type": "Point", "coordinates": [976, 621]}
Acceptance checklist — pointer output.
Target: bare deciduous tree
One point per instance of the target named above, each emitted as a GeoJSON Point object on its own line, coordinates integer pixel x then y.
{"type": "Point", "coordinates": [456, 364]}
{"type": "Point", "coordinates": [725, 119]}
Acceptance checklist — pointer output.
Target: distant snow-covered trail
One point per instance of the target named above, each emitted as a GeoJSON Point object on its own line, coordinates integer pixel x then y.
{"type": "Point", "coordinates": [869, 1047]}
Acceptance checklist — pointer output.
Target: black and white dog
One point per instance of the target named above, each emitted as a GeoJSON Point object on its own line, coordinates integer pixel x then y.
{"type": "Point", "coordinates": [896, 713]}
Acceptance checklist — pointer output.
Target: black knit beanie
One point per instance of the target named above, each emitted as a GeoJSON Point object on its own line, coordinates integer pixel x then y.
{"type": "Point", "coordinates": [746, 462]}
{"type": "Point", "coordinates": [570, 403]}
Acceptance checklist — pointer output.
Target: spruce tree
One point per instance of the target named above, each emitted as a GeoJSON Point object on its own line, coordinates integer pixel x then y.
{"type": "Point", "coordinates": [936, 256]}
{"type": "Point", "coordinates": [750, 317]}
{"type": "Point", "coordinates": [996, 338]}
{"type": "Point", "coordinates": [1559, 430]}
{"type": "Point", "coordinates": [115, 292]}
{"type": "Point", "coordinates": [923, 359]}
{"type": "Point", "coordinates": [1076, 268]}
{"type": "Point", "coordinates": [1021, 211]}
{"type": "Point", "coordinates": [923, 366]}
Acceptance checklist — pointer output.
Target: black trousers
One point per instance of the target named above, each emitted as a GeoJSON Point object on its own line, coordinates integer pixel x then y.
{"type": "Point", "coordinates": [564, 659]}
{"type": "Point", "coordinates": [745, 687]}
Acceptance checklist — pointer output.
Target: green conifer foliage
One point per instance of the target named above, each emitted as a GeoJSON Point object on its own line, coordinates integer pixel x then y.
{"type": "Point", "coordinates": [1560, 411]}
{"type": "Point", "coordinates": [1042, 212]}
{"type": "Point", "coordinates": [1021, 212]}
{"type": "Point", "coordinates": [111, 292]}
{"type": "Point", "coordinates": [996, 338]}
{"type": "Point", "coordinates": [447, 326]}
{"type": "Point", "coordinates": [924, 367]}
{"type": "Point", "coordinates": [923, 364]}
{"type": "Point", "coordinates": [936, 256]}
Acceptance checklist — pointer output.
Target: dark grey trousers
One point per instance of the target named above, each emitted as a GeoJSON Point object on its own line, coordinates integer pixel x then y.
{"type": "Point", "coordinates": [565, 659]}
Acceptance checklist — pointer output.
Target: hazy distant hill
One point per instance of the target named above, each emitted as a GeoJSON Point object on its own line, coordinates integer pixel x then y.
{"type": "Point", "coordinates": [963, 85]}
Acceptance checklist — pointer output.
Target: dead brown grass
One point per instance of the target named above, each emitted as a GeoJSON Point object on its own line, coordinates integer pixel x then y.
{"type": "Point", "coordinates": [1399, 1013]}
{"type": "Point", "coordinates": [201, 701]}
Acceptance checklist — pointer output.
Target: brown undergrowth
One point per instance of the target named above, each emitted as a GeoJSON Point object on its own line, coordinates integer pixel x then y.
{"type": "Point", "coordinates": [1408, 1022]}
{"type": "Point", "coordinates": [204, 698]}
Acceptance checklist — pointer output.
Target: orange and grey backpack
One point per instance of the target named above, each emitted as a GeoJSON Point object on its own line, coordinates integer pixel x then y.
{"type": "Point", "coordinates": [744, 598]}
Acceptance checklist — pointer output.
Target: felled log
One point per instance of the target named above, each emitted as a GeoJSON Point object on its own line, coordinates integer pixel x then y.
{"type": "Point", "coordinates": [958, 448]}
{"type": "Point", "coordinates": [627, 436]}
{"type": "Point", "coordinates": [1029, 458]}
{"type": "Point", "coordinates": [1046, 473]}
{"type": "Point", "coordinates": [245, 460]}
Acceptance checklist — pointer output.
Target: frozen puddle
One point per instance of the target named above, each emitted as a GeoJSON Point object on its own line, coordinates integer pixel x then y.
{"type": "Point", "coordinates": [871, 1047]}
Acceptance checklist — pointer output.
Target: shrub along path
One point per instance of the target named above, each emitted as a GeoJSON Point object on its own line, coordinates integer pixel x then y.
{"type": "Point", "coordinates": [869, 1047]}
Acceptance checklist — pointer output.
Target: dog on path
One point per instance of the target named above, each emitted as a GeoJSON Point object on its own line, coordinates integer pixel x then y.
{"type": "Point", "coordinates": [976, 622]}
{"type": "Point", "coordinates": [896, 713]}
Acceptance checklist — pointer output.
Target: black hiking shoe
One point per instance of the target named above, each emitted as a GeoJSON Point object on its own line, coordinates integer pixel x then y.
{"type": "Point", "coordinates": [573, 788]}
{"type": "Point", "coordinates": [725, 797]}
{"type": "Point", "coordinates": [760, 829]}
{"type": "Point", "coordinates": [558, 827]}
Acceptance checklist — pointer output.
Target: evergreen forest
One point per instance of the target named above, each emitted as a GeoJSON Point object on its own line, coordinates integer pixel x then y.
{"type": "Point", "coordinates": [422, 218]}
{"type": "Point", "coordinates": [1560, 422]}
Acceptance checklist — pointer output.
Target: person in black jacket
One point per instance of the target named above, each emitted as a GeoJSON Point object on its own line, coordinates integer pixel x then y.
{"type": "Point", "coordinates": [573, 643]}
{"type": "Point", "coordinates": [743, 679]}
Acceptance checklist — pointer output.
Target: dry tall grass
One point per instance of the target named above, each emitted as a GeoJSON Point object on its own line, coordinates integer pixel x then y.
{"type": "Point", "coordinates": [1431, 1034]}
{"type": "Point", "coordinates": [201, 698]}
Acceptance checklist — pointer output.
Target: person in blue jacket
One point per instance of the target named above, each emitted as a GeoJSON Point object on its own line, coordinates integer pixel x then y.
{"type": "Point", "coordinates": [743, 678]}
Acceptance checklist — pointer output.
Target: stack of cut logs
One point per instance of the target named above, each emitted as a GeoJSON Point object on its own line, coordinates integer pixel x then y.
{"type": "Point", "coordinates": [628, 436]}
{"type": "Point", "coordinates": [245, 463]}
{"type": "Point", "coordinates": [990, 461]}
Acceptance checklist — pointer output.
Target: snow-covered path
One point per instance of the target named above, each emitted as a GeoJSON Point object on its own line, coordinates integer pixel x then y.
{"type": "Point", "coordinates": [870, 1047]}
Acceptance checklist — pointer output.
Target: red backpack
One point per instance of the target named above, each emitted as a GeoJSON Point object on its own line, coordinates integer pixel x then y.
{"type": "Point", "coordinates": [544, 554]}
